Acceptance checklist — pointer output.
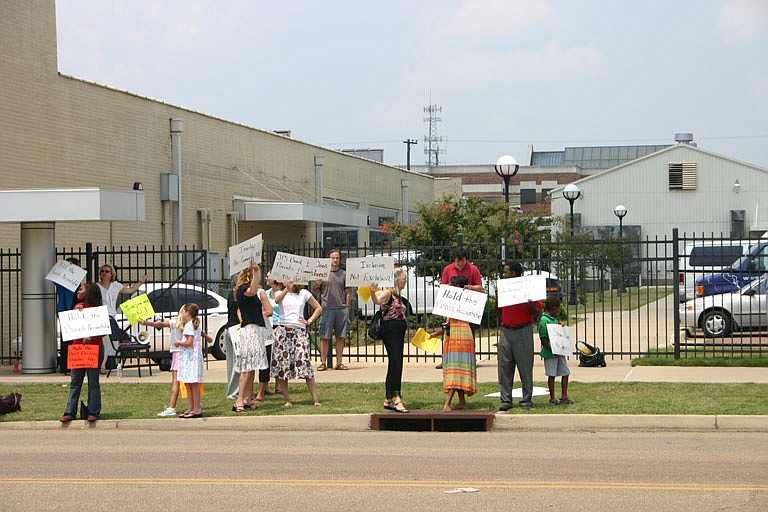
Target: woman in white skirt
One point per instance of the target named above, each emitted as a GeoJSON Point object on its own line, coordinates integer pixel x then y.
{"type": "Point", "coordinates": [252, 304]}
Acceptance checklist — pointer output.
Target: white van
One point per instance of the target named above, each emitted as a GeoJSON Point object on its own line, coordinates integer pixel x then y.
{"type": "Point", "coordinates": [702, 257]}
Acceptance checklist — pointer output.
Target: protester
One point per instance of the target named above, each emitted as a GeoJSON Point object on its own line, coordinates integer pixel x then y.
{"type": "Point", "coordinates": [176, 326]}
{"type": "Point", "coordinates": [252, 304]}
{"type": "Point", "coordinates": [110, 290]}
{"type": "Point", "coordinates": [555, 365]}
{"type": "Point", "coordinates": [191, 360]}
{"type": "Point", "coordinates": [88, 296]}
{"type": "Point", "coordinates": [394, 309]}
{"type": "Point", "coordinates": [462, 267]}
{"type": "Point", "coordinates": [290, 354]}
{"type": "Point", "coordinates": [272, 323]}
{"type": "Point", "coordinates": [515, 347]}
{"type": "Point", "coordinates": [459, 365]}
{"type": "Point", "coordinates": [65, 300]}
{"type": "Point", "coordinates": [335, 299]}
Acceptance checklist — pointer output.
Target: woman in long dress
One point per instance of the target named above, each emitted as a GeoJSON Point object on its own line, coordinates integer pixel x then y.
{"type": "Point", "coordinates": [459, 365]}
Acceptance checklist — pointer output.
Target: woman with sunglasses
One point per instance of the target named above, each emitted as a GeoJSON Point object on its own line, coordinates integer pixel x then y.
{"type": "Point", "coordinates": [110, 291]}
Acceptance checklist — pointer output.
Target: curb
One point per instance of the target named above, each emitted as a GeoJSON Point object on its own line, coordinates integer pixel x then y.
{"type": "Point", "coordinates": [362, 423]}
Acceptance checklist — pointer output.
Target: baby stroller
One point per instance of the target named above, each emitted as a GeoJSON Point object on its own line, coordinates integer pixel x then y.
{"type": "Point", "coordinates": [589, 355]}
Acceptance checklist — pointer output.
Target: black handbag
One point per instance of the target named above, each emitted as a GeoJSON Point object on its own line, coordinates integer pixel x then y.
{"type": "Point", "coordinates": [374, 326]}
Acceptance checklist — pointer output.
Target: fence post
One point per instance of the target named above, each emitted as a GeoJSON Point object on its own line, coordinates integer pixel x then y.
{"type": "Point", "coordinates": [89, 261]}
{"type": "Point", "coordinates": [676, 291]}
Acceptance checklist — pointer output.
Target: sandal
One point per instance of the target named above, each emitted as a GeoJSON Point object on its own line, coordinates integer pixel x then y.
{"type": "Point", "coordinates": [341, 366]}
{"type": "Point", "coordinates": [287, 404]}
{"type": "Point", "coordinates": [235, 408]}
{"type": "Point", "coordinates": [566, 401]}
{"type": "Point", "coordinates": [554, 401]}
{"type": "Point", "coordinates": [399, 407]}
{"type": "Point", "coordinates": [317, 403]}
{"type": "Point", "coordinates": [321, 367]}
{"type": "Point", "coordinates": [389, 405]}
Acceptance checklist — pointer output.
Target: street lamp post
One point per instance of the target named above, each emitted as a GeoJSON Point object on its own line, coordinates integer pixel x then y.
{"type": "Point", "coordinates": [506, 167]}
{"type": "Point", "coordinates": [620, 211]}
{"type": "Point", "coordinates": [571, 193]}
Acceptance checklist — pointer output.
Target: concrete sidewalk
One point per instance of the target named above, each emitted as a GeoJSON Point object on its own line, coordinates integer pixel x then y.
{"type": "Point", "coordinates": [616, 371]}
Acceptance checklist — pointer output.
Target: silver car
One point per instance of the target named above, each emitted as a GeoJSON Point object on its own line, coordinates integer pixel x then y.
{"type": "Point", "coordinates": [720, 315]}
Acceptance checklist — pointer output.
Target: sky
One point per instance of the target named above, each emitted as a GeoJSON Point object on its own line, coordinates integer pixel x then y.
{"type": "Point", "coordinates": [506, 73]}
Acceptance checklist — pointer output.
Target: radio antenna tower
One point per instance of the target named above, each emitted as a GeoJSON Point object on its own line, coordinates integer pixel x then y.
{"type": "Point", "coordinates": [432, 141]}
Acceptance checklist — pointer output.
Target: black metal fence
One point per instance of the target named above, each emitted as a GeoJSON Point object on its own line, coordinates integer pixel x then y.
{"type": "Point", "coordinates": [627, 297]}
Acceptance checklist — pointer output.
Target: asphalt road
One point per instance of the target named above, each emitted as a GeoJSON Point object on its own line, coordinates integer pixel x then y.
{"type": "Point", "coordinates": [187, 470]}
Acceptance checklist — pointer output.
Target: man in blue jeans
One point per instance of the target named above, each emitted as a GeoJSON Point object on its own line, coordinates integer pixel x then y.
{"type": "Point", "coordinates": [334, 297]}
{"type": "Point", "coordinates": [515, 347]}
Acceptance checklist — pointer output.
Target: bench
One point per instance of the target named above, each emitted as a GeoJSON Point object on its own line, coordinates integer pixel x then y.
{"type": "Point", "coordinates": [434, 421]}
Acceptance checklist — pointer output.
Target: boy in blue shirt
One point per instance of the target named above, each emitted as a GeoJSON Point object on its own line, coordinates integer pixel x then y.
{"type": "Point", "coordinates": [554, 365]}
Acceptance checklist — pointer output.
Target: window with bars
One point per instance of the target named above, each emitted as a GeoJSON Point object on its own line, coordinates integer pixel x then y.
{"type": "Point", "coordinates": [682, 176]}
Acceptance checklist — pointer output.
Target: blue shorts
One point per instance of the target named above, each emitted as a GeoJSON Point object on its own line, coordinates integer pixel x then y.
{"type": "Point", "coordinates": [334, 320]}
{"type": "Point", "coordinates": [556, 367]}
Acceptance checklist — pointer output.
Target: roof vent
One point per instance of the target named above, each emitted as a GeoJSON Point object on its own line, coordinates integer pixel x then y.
{"type": "Point", "coordinates": [684, 138]}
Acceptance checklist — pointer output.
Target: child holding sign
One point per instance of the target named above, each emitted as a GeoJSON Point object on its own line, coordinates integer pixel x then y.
{"type": "Point", "coordinates": [177, 329]}
{"type": "Point", "coordinates": [554, 365]}
{"type": "Point", "coordinates": [88, 296]}
{"type": "Point", "coordinates": [459, 365]}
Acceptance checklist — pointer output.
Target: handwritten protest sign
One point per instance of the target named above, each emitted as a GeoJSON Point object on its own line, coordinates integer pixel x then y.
{"type": "Point", "coordinates": [138, 308]}
{"type": "Point", "coordinates": [299, 269]}
{"type": "Point", "coordinates": [83, 356]}
{"type": "Point", "coordinates": [86, 323]}
{"type": "Point", "coordinates": [377, 269]}
{"type": "Point", "coordinates": [459, 303]}
{"type": "Point", "coordinates": [560, 339]}
{"type": "Point", "coordinates": [67, 275]}
{"type": "Point", "coordinates": [517, 290]}
{"type": "Point", "coordinates": [243, 254]}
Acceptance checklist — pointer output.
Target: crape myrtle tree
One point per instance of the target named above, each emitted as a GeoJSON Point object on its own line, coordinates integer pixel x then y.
{"type": "Point", "coordinates": [433, 237]}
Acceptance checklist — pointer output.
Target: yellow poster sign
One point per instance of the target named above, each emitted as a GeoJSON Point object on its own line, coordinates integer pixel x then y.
{"type": "Point", "coordinates": [422, 339]}
{"type": "Point", "coordinates": [138, 308]}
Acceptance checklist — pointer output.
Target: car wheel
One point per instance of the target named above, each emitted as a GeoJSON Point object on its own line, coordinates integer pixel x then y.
{"type": "Point", "coordinates": [218, 349]}
{"type": "Point", "coordinates": [716, 323]}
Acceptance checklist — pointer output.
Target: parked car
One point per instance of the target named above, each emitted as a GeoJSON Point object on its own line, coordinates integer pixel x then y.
{"type": "Point", "coordinates": [702, 257]}
{"type": "Point", "coordinates": [743, 271]}
{"type": "Point", "coordinates": [720, 315]}
{"type": "Point", "coordinates": [167, 298]}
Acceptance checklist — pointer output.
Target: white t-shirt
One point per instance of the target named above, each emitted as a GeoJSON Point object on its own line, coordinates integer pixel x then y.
{"type": "Point", "coordinates": [292, 308]}
{"type": "Point", "coordinates": [177, 334]}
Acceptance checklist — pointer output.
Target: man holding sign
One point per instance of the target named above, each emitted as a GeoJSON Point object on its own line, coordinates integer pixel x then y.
{"type": "Point", "coordinates": [515, 346]}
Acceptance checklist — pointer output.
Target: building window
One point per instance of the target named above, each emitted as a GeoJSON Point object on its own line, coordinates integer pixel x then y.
{"type": "Point", "coordinates": [527, 196]}
{"type": "Point", "coordinates": [682, 176]}
{"type": "Point", "coordinates": [544, 194]}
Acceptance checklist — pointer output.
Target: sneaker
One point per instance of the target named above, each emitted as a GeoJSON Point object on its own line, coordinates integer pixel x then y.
{"type": "Point", "coordinates": [169, 411]}
{"type": "Point", "coordinates": [505, 407]}
{"type": "Point", "coordinates": [526, 405]}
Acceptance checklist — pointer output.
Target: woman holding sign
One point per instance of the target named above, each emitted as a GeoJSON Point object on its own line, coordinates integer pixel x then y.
{"type": "Point", "coordinates": [459, 365]}
{"type": "Point", "coordinates": [394, 310]}
{"type": "Point", "coordinates": [88, 296]}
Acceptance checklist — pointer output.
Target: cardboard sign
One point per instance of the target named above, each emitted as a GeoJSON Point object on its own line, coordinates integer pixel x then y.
{"type": "Point", "coordinates": [138, 308]}
{"type": "Point", "coordinates": [560, 339]}
{"type": "Point", "coordinates": [377, 269]}
{"type": "Point", "coordinates": [299, 269]}
{"type": "Point", "coordinates": [235, 335]}
{"type": "Point", "coordinates": [243, 254]}
{"type": "Point", "coordinates": [83, 356]}
{"type": "Point", "coordinates": [516, 290]}
{"type": "Point", "coordinates": [460, 303]}
{"type": "Point", "coordinates": [422, 339]}
{"type": "Point", "coordinates": [87, 323]}
{"type": "Point", "coordinates": [67, 275]}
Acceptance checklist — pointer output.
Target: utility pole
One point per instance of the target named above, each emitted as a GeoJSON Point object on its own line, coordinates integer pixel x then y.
{"type": "Point", "coordinates": [409, 142]}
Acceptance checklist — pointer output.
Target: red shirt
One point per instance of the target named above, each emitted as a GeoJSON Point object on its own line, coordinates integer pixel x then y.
{"type": "Point", "coordinates": [517, 314]}
{"type": "Point", "coordinates": [469, 270]}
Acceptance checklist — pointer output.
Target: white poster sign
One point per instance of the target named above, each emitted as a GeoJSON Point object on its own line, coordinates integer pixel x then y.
{"type": "Point", "coordinates": [299, 269]}
{"type": "Point", "coordinates": [460, 303]}
{"type": "Point", "coordinates": [243, 254]}
{"type": "Point", "coordinates": [67, 275]}
{"type": "Point", "coordinates": [87, 323]}
{"type": "Point", "coordinates": [516, 290]}
{"type": "Point", "coordinates": [560, 339]}
{"type": "Point", "coordinates": [377, 269]}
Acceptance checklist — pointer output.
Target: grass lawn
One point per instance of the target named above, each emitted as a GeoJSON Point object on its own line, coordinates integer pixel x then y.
{"type": "Point", "coordinates": [132, 401]}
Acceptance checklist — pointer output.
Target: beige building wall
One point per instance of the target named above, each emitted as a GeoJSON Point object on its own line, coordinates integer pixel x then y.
{"type": "Point", "coordinates": [58, 131]}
